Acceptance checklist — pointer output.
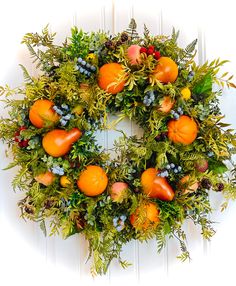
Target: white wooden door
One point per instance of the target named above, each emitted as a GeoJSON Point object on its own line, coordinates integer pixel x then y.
{"type": "Point", "coordinates": [26, 256]}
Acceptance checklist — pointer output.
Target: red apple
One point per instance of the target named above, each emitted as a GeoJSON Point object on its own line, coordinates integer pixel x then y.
{"type": "Point", "coordinates": [201, 165]}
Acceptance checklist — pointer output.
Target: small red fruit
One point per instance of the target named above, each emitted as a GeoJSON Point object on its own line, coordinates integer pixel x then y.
{"type": "Point", "coordinates": [150, 50]}
{"type": "Point", "coordinates": [201, 165]}
{"type": "Point", "coordinates": [157, 55]}
{"type": "Point", "coordinates": [143, 50]}
{"type": "Point", "coordinates": [17, 138]}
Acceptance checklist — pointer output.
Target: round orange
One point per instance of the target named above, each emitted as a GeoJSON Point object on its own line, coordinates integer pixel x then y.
{"type": "Point", "coordinates": [92, 181]}
{"type": "Point", "coordinates": [183, 130]}
{"type": "Point", "coordinates": [145, 215]}
{"type": "Point", "coordinates": [41, 112]}
{"type": "Point", "coordinates": [109, 78]}
{"type": "Point", "coordinates": [166, 70]}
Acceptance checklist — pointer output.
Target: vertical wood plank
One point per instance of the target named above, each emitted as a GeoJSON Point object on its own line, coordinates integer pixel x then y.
{"type": "Point", "coordinates": [122, 15]}
{"type": "Point", "coordinates": [220, 43]}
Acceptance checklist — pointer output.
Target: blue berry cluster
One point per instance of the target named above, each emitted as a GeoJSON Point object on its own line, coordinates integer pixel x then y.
{"type": "Point", "coordinates": [119, 222]}
{"type": "Point", "coordinates": [191, 75]}
{"type": "Point", "coordinates": [85, 68]}
{"type": "Point", "coordinates": [170, 168]}
{"type": "Point", "coordinates": [178, 113]}
{"type": "Point", "coordinates": [149, 98]}
{"type": "Point", "coordinates": [63, 112]}
{"type": "Point", "coordinates": [57, 170]}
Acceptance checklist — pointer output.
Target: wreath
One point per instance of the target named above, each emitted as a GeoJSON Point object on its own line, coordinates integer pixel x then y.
{"type": "Point", "coordinates": [157, 180]}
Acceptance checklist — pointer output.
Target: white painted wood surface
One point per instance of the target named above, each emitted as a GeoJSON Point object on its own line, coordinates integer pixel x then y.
{"type": "Point", "coordinates": [26, 257]}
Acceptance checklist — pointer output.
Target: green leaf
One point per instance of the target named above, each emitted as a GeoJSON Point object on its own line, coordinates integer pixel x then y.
{"type": "Point", "coordinates": [42, 226]}
{"type": "Point", "coordinates": [217, 167]}
{"type": "Point", "coordinates": [204, 85]}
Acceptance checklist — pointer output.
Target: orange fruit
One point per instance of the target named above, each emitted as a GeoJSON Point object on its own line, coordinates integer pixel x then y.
{"type": "Point", "coordinates": [109, 78]}
{"type": "Point", "coordinates": [145, 215]}
{"type": "Point", "coordinates": [41, 112]}
{"type": "Point", "coordinates": [166, 104]}
{"type": "Point", "coordinates": [65, 182]}
{"type": "Point", "coordinates": [92, 181]}
{"type": "Point", "coordinates": [155, 186]}
{"type": "Point", "coordinates": [183, 130]}
{"type": "Point", "coordinates": [58, 142]}
{"type": "Point", "coordinates": [118, 192]}
{"type": "Point", "coordinates": [187, 185]}
{"type": "Point", "coordinates": [46, 178]}
{"type": "Point", "coordinates": [166, 70]}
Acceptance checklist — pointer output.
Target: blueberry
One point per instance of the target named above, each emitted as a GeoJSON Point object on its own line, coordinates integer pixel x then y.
{"type": "Point", "coordinates": [179, 168]}
{"type": "Point", "coordinates": [176, 170]}
{"type": "Point", "coordinates": [210, 154]}
{"type": "Point", "coordinates": [168, 166]}
{"type": "Point", "coordinates": [123, 217]}
{"type": "Point", "coordinates": [55, 108]}
{"type": "Point", "coordinates": [93, 68]}
{"type": "Point", "coordinates": [119, 228]}
{"type": "Point", "coordinates": [115, 221]}
{"type": "Point", "coordinates": [63, 122]}
{"type": "Point", "coordinates": [67, 117]}
{"type": "Point", "coordinates": [151, 95]}
{"type": "Point", "coordinates": [83, 63]}
{"type": "Point", "coordinates": [80, 60]}
{"type": "Point", "coordinates": [54, 170]}
{"type": "Point", "coordinates": [89, 74]}
{"type": "Point", "coordinates": [81, 69]}
{"type": "Point", "coordinates": [166, 173]}
{"type": "Point", "coordinates": [179, 109]}
{"type": "Point", "coordinates": [88, 66]}
{"type": "Point", "coordinates": [172, 165]}
{"type": "Point", "coordinates": [176, 116]}
{"type": "Point", "coordinates": [65, 106]}
{"type": "Point", "coordinates": [172, 112]}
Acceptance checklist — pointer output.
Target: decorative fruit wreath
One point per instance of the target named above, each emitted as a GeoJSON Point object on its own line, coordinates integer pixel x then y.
{"type": "Point", "coordinates": [155, 182]}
